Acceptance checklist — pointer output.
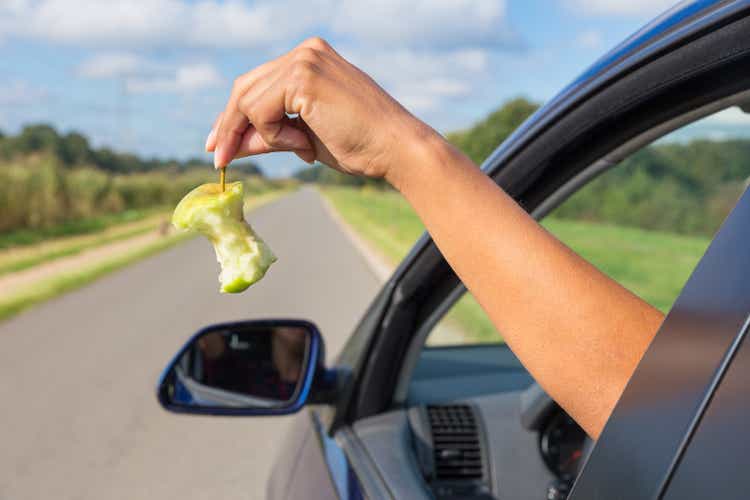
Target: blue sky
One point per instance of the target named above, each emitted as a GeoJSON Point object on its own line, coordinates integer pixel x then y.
{"type": "Point", "coordinates": [150, 75]}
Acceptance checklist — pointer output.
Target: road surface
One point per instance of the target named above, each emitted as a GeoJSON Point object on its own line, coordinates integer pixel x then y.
{"type": "Point", "coordinates": [77, 374]}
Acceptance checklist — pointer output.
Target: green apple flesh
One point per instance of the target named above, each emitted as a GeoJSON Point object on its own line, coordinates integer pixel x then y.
{"type": "Point", "coordinates": [243, 256]}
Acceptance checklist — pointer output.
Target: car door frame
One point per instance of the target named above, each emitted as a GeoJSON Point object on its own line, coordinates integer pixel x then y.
{"type": "Point", "coordinates": [682, 62]}
{"type": "Point", "coordinates": [661, 408]}
{"type": "Point", "coordinates": [661, 73]}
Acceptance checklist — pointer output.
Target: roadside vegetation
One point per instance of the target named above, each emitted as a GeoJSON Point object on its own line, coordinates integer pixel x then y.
{"type": "Point", "coordinates": [53, 185]}
{"type": "Point", "coordinates": [645, 223]}
{"type": "Point", "coordinates": [59, 197]}
{"type": "Point", "coordinates": [18, 258]}
{"type": "Point", "coordinates": [122, 245]}
{"type": "Point", "coordinates": [58, 284]}
{"type": "Point", "coordinates": [676, 187]}
{"type": "Point", "coordinates": [652, 264]}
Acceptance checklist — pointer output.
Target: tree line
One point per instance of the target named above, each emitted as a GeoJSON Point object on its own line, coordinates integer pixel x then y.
{"type": "Point", "coordinates": [73, 149]}
{"type": "Point", "coordinates": [676, 187]}
{"type": "Point", "coordinates": [49, 179]}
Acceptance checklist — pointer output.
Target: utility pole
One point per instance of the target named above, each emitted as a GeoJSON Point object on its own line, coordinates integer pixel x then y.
{"type": "Point", "coordinates": [122, 117]}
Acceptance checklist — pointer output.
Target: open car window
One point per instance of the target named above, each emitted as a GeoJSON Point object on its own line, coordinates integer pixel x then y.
{"type": "Point", "coordinates": [645, 222]}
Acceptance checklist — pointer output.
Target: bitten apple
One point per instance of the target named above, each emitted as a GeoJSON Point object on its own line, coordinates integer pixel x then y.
{"type": "Point", "coordinates": [217, 214]}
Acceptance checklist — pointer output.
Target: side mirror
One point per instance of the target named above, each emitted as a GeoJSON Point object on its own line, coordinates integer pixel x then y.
{"type": "Point", "coordinates": [248, 368]}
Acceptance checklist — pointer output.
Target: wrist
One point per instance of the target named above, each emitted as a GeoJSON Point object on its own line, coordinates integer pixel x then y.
{"type": "Point", "coordinates": [422, 151]}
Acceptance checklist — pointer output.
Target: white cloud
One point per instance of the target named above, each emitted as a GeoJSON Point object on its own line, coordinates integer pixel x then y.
{"type": "Point", "coordinates": [244, 24]}
{"type": "Point", "coordinates": [717, 135]}
{"type": "Point", "coordinates": [186, 79]}
{"type": "Point", "coordinates": [235, 24]}
{"type": "Point", "coordinates": [18, 93]}
{"type": "Point", "coordinates": [10, 7]}
{"type": "Point", "coordinates": [639, 8]}
{"type": "Point", "coordinates": [414, 65]}
{"type": "Point", "coordinates": [145, 76]}
{"type": "Point", "coordinates": [727, 124]}
{"type": "Point", "coordinates": [729, 116]}
{"type": "Point", "coordinates": [113, 65]}
{"type": "Point", "coordinates": [89, 22]}
{"type": "Point", "coordinates": [210, 23]}
{"type": "Point", "coordinates": [423, 23]}
{"type": "Point", "coordinates": [590, 39]}
{"type": "Point", "coordinates": [423, 80]}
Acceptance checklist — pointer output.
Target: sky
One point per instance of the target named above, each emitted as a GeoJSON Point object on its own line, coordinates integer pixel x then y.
{"type": "Point", "coordinates": [149, 76]}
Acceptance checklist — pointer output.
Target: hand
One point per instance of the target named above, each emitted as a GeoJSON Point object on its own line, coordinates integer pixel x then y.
{"type": "Point", "coordinates": [343, 118]}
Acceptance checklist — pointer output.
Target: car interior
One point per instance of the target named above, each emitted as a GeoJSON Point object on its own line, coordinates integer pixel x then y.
{"type": "Point", "coordinates": [466, 420]}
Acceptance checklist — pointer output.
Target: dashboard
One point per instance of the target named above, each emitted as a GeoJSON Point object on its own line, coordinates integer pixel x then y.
{"type": "Point", "coordinates": [475, 426]}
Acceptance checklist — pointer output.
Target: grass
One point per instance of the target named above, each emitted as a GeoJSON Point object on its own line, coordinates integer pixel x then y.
{"type": "Point", "coordinates": [654, 265]}
{"type": "Point", "coordinates": [67, 281]}
{"type": "Point", "coordinates": [26, 256]}
{"type": "Point", "coordinates": [381, 217]}
{"type": "Point", "coordinates": [55, 286]}
{"type": "Point", "coordinates": [20, 258]}
{"type": "Point", "coordinates": [23, 237]}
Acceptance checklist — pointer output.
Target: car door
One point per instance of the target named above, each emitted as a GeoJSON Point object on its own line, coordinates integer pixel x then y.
{"type": "Point", "coordinates": [682, 64]}
{"type": "Point", "coordinates": [686, 62]}
{"type": "Point", "coordinates": [680, 426]}
{"type": "Point", "coordinates": [701, 59]}
{"type": "Point", "coordinates": [311, 464]}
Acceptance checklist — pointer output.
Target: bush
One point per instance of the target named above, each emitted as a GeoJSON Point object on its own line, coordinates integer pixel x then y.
{"type": "Point", "coordinates": [39, 191]}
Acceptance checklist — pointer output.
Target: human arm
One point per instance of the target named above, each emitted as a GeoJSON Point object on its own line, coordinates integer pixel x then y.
{"type": "Point", "coordinates": [579, 333]}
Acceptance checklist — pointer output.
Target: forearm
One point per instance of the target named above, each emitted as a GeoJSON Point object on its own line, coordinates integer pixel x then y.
{"type": "Point", "coordinates": [578, 332]}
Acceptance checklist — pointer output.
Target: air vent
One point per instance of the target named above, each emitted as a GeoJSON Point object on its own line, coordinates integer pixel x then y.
{"type": "Point", "coordinates": [456, 447]}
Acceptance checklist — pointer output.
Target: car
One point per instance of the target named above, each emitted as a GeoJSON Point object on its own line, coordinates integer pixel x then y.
{"type": "Point", "coordinates": [396, 418]}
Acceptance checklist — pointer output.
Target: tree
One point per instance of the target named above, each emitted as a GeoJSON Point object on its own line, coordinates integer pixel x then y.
{"type": "Point", "coordinates": [106, 159]}
{"type": "Point", "coordinates": [35, 138]}
{"type": "Point", "coordinates": [308, 173]}
{"type": "Point", "coordinates": [479, 141]}
{"type": "Point", "coordinates": [74, 149]}
{"type": "Point", "coordinates": [248, 167]}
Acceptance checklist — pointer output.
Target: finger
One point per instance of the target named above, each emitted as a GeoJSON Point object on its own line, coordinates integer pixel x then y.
{"type": "Point", "coordinates": [318, 44]}
{"type": "Point", "coordinates": [234, 123]}
{"type": "Point", "coordinates": [268, 116]}
{"type": "Point", "coordinates": [306, 155]}
{"type": "Point", "coordinates": [252, 143]}
{"type": "Point", "coordinates": [267, 105]}
{"type": "Point", "coordinates": [211, 139]}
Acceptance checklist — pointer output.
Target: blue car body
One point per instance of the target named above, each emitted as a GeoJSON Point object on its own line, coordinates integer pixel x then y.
{"type": "Point", "coordinates": [310, 463]}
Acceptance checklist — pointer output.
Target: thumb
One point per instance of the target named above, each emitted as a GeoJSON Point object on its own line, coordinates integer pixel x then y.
{"type": "Point", "coordinates": [288, 138]}
{"type": "Point", "coordinates": [285, 137]}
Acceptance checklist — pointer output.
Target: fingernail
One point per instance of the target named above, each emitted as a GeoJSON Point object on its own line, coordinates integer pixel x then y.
{"type": "Point", "coordinates": [210, 137]}
{"type": "Point", "coordinates": [217, 157]}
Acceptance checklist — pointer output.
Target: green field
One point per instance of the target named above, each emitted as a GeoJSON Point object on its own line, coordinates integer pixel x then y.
{"type": "Point", "coordinates": [65, 281]}
{"type": "Point", "coordinates": [25, 256]}
{"type": "Point", "coordinates": [654, 265]}
{"type": "Point", "coordinates": [57, 285]}
{"type": "Point", "coordinates": [89, 225]}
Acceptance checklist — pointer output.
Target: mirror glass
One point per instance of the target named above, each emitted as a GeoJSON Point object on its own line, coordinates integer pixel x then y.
{"type": "Point", "coordinates": [247, 365]}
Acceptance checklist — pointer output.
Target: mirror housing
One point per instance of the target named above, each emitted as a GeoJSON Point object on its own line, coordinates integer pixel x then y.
{"type": "Point", "coordinates": [246, 368]}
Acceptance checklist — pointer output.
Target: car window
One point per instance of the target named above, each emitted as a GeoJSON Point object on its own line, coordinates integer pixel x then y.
{"type": "Point", "coordinates": [645, 222]}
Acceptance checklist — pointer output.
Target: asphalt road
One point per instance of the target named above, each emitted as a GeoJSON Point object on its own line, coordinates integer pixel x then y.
{"type": "Point", "coordinates": [79, 419]}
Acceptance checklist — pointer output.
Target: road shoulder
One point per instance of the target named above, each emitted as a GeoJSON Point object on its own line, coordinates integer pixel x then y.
{"type": "Point", "coordinates": [375, 260]}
